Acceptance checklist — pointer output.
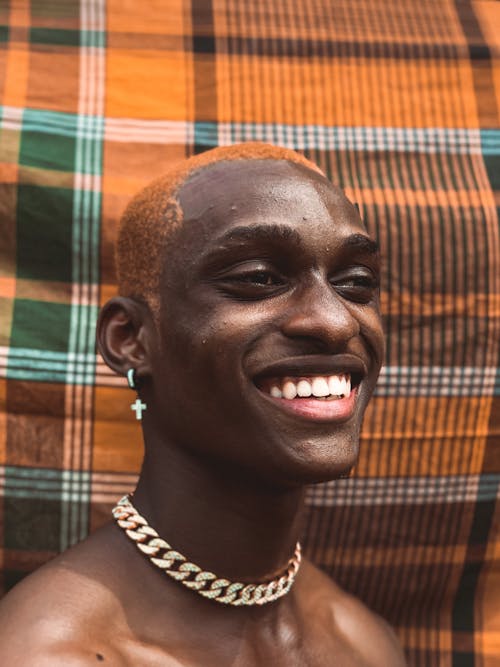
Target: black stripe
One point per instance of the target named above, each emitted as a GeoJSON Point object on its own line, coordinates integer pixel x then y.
{"type": "Point", "coordinates": [204, 42]}
{"type": "Point", "coordinates": [463, 625]}
{"type": "Point", "coordinates": [463, 607]}
{"type": "Point", "coordinates": [204, 50]}
{"type": "Point", "coordinates": [481, 63]}
{"type": "Point", "coordinates": [463, 658]}
{"type": "Point", "coordinates": [289, 47]}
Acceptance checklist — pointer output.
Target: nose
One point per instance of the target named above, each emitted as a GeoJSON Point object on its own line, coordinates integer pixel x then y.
{"type": "Point", "coordinates": [318, 313]}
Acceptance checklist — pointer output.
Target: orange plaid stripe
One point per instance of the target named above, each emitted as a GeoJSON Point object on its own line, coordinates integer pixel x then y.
{"type": "Point", "coordinates": [398, 102]}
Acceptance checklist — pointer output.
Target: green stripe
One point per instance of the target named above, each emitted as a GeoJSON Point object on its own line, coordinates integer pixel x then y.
{"type": "Point", "coordinates": [55, 36]}
{"type": "Point", "coordinates": [50, 355]}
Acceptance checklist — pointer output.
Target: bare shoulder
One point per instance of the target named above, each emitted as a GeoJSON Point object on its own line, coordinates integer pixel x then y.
{"type": "Point", "coordinates": [373, 637]}
{"type": "Point", "coordinates": [366, 633]}
{"type": "Point", "coordinates": [56, 615]}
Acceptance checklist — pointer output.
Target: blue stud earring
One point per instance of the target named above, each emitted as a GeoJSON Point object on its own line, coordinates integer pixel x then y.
{"type": "Point", "coordinates": [138, 407]}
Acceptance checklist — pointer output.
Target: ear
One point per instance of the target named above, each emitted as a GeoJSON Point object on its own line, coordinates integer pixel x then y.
{"type": "Point", "coordinates": [126, 336]}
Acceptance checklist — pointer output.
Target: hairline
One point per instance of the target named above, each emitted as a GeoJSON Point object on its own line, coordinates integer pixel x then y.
{"type": "Point", "coordinates": [177, 190]}
{"type": "Point", "coordinates": [157, 210]}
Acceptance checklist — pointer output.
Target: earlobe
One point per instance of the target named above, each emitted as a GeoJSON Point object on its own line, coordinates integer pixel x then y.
{"type": "Point", "coordinates": [124, 331]}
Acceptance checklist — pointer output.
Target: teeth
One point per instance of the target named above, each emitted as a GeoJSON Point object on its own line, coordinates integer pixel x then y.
{"type": "Point", "coordinates": [335, 385]}
{"type": "Point", "coordinates": [304, 388]}
{"type": "Point", "coordinates": [289, 390]}
{"type": "Point", "coordinates": [319, 387]}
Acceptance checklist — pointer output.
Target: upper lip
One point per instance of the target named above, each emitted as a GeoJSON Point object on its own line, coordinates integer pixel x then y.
{"type": "Point", "coordinates": [314, 365]}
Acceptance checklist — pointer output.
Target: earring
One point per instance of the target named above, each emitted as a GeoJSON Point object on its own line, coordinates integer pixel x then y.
{"type": "Point", "coordinates": [131, 378]}
{"type": "Point", "coordinates": [138, 407]}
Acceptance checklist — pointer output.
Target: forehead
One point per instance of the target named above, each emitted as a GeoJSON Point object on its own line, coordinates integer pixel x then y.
{"type": "Point", "coordinates": [262, 190]}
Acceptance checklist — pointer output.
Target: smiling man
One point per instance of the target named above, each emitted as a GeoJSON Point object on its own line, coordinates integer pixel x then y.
{"type": "Point", "coordinates": [248, 322]}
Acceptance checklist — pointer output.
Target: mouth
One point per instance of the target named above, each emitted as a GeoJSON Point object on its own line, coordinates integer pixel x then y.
{"type": "Point", "coordinates": [312, 394]}
{"type": "Point", "coordinates": [322, 388]}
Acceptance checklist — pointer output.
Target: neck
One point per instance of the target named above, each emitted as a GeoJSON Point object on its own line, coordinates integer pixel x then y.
{"type": "Point", "coordinates": [222, 519]}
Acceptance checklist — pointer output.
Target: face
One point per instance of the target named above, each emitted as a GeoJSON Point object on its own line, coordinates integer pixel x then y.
{"type": "Point", "coordinates": [270, 337]}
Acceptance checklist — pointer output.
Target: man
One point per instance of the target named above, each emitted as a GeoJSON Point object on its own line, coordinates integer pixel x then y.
{"type": "Point", "coordinates": [249, 324]}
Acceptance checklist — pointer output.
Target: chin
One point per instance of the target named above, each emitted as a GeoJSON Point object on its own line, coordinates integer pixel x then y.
{"type": "Point", "coordinates": [325, 473]}
{"type": "Point", "coordinates": [320, 460]}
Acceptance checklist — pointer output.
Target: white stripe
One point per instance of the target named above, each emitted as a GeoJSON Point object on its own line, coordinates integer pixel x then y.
{"type": "Point", "coordinates": [436, 381]}
{"type": "Point", "coordinates": [154, 131]}
{"type": "Point", "coordinates": [393, 380]}
{"type": "Point", "coordinates": [427, 140]}
{"type": "Point", "coordinates": [66, 486]}
{"type": "Point", "coordinates": [358, 491]}
{"type": "Point", "coordinates": [85, 486]}
{"type": "Point", "coordinates": [87, 189]}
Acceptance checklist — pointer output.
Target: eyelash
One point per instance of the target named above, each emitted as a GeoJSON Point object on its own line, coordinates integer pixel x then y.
{"type": "Point", "coordinates": [358, 288]}
{"type": "Point", "coordinates": [356, 281]}
{"type": "Point", "coordinates": [250, 278]}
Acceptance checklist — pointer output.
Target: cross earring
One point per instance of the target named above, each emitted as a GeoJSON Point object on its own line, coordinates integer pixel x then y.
{"type": "Point", "coordinates": [138, 407]}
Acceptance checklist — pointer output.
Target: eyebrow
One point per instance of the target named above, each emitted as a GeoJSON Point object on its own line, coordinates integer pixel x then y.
{"type": "Point", "coordinates": [261, 232]}
{"type": "Point", "coordinates": [362, 243]}
{"type": "Point", "coordinates": [275, 232]}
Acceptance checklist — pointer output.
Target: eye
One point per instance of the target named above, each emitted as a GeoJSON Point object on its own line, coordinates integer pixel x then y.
{"type": "Point", "coordinates": [252, 280]}
{"type": "Point", "coordinates": [359, 285]}
{"type": "Point", "coordinates": [264, 278]}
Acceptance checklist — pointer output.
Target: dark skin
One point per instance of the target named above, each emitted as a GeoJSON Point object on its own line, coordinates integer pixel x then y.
{"type": "Point", "coordinates": [273, 276]}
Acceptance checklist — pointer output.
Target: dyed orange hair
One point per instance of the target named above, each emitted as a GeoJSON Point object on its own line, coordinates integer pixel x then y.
{"type": "Point", "coordinates": [154, 213]}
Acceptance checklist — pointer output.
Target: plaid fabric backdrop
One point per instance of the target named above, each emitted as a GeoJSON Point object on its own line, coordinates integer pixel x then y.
{"type": "Point", "coordinates": [398, 101]}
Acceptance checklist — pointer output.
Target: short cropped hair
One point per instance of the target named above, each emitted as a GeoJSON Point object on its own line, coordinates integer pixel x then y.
{"type": "Point", "coordinates": [155, 213]}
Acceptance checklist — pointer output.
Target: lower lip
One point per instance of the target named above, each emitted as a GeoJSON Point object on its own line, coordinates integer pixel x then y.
{"type": "Point", "coordinates": [333, 410]}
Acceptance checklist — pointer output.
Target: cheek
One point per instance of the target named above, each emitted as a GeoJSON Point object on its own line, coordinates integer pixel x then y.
{"type": "Point", "coordinates": [214, 327]}
{"type": "Point", "coordinates": [373, 335]}
{"type": "Point", "coordinates": [200, 352]}
{"type": "Point", "coordinates": [200, 387]}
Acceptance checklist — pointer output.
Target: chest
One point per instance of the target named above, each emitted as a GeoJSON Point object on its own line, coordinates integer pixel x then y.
{"type": "Point", "coordinates": [311, 650]}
